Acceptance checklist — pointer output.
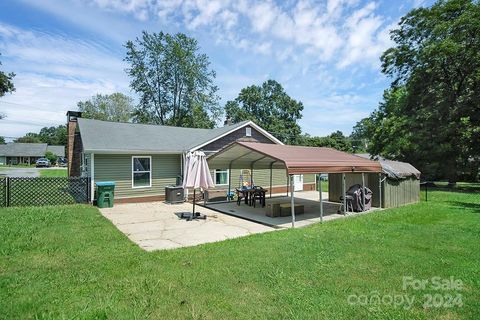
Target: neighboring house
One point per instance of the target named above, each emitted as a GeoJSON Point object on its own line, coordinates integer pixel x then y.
{"type": "Point", "coordinates": [26, 153]}
{"type": "Point", "coordinates": [400, 183]}
{"type": "Point", "coordinates": [143, 159]}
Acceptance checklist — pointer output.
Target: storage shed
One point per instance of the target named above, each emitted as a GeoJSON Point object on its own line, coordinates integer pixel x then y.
{"type": "Point", "coordinates": [400, 183]}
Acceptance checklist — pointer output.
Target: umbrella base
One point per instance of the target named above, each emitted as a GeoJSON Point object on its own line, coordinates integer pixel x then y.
{"type": "Point", "coordinates": [189, 216]}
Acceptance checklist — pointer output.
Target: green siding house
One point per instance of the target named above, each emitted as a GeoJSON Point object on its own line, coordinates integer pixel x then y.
{"type": "Point", "coordinates": [27, 153]}
{"type": "Point", "coordinates": [143, 159]}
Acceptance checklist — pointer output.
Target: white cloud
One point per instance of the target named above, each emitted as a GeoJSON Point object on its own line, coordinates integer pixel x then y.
{"type": "Point", "coordinates": [264, 48]}
{"type": "Point", "coordinates": [54, 72]}
{"type": "Point", "coordinates": [319, 50]}
{"type": "Point", "coordinates": [262, 15]}
{"type": "Point", "coordinates": [139, 8]}
{"type": "Point", "coordinates": [341, 32]}
{"type": "Point", "coordinates": [366, 38]}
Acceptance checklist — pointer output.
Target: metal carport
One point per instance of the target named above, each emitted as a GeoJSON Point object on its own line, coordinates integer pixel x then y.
{"type": "Point", "coordinates": [295, 160]}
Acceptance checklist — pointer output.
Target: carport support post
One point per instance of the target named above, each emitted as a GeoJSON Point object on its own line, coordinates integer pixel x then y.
{"type": "Point", "coordinates": [288, 184]}
{"type": "Point", "coordinates": [229, 181]}
{"type": "Point", "coordinates": [271, 182]}
{"type": "Point", "coordinates": [320, 196]}
{"type": "Point", "coordinates": [363, 191]}
{"type": "Point", "coordinates": [292, 201]}
{"type": "Point", "coordinates": [251, 176]}
{"type": "Point", "coordinates": [380, 190]}
{"type": "Point", "coordinates": [344, 194]}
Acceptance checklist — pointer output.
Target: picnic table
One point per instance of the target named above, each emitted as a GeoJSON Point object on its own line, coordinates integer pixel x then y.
{"type": "Point", "coordinates": [249, 195]}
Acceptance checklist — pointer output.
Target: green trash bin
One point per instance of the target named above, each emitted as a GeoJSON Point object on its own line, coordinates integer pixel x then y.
{"type": "Point", "coordinates": [105, 194]}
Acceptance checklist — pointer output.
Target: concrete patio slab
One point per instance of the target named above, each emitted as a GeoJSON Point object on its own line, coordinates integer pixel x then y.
{"type": "Point", "coordinates": [157, 226]}
{"type": "Point", "coordinates": [309, 199]}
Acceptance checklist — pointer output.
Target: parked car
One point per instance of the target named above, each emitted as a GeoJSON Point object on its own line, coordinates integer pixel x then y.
{"type": "Point", "coordinates": [62, 162]}
{"type": "Point", "coordinates": [42, 162]}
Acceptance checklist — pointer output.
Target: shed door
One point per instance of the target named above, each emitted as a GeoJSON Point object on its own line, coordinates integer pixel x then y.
{"type": "Point", "coordinates": [298, 182]}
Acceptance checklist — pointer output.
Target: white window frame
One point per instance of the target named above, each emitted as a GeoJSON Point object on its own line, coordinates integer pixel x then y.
{"type": "Point", "coordinates": [215, 177]}
{"type": "Point", "coordinates": [133, 172]}
{"type": "Point", "coordinates": [248, 131]}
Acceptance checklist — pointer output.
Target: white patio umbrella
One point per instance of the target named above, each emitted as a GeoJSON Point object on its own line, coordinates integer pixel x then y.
{"type": "Point", "coordinates": [196, 174]}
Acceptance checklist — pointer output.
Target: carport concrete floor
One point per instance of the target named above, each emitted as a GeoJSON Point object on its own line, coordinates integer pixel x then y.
{"type": "Point", "coordinates": [309, 199]}
{"type": "Point", "coordinates": [157, 226]}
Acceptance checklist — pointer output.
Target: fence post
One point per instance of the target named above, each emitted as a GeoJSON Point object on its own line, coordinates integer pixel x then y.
{"type": "Point", "coordinates": [7, 191]}
{"type": "Point", "coordinates": [426, 192]}
{"type": "Point", "coordinates": [89, 194]}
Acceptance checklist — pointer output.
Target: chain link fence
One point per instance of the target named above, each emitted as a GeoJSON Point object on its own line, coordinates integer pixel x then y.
{"type": "Point", "coordinates": [43, 191]}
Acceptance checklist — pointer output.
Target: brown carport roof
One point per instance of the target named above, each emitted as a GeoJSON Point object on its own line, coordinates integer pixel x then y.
{"type": "Point", "coordinates": [295, 159]}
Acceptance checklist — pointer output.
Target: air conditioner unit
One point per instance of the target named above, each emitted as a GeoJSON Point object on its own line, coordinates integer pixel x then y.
{"type": "Point", "coordinates": [174, 194]}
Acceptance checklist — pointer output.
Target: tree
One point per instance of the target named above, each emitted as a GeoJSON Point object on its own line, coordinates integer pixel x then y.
{"type": "Point", "coordinates": [29, 138]}
{"type": "Point", "coordinates": [6, 83]}
{"type": "Point", "coordinates": [54, 135]}
{"type": "Point", "coordinates": [335, 140]}
{"type": "Point", "coordinates": [387, 128]}
{"type": "Point", "coordinates": [51, 157]}
{"type": "Point", "coordinates": [430, 115]}
{"type": "Point", "coordinates": [50, 135]}
{"type": "Point", "coordinates": [173, 80]}
{"type": "Point", "coordinates": [2, 140]}
{"type": "Point", "coordinates": [108, 107]}
{"type": "Point", "coordinates": [270, 107]}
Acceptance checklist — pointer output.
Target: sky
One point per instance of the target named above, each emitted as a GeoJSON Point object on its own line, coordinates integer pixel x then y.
{"type": "Point", "coordinates": [325, 53]}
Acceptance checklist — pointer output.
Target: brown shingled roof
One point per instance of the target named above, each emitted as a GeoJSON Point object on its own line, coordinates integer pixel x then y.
{"type": "Point", "coordinates": [295, 159]}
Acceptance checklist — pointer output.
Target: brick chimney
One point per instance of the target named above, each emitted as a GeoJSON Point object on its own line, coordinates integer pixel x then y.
{"type": "Point", "coordinates": [74, 144]}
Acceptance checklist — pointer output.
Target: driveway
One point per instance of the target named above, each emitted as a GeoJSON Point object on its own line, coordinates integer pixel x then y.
{"type": "Point", "coordinates": [157, 226]}
{"type": "Point", "coordinates": [23, 172]}
{"type": "Point", "coordinates": [19, 172]}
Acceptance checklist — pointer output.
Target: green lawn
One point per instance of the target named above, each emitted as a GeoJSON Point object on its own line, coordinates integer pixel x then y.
{"type": "Point", "coordinates": [53, 172]}
{"type": "Point", "coordinates": [324, 186]}
{"type": "Point", "coordinates": [70, 262]}
{"type": "Point", "coordinates": [18, 165]}
{"type": "Point", "coordinates": [461, 186]}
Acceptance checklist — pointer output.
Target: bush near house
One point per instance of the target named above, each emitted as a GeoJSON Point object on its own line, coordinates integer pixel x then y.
{"type": "Point", "coordinates": [51, 157]}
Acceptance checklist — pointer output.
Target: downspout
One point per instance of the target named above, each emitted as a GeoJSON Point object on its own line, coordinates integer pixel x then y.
{"type": "Point", "coordinates": [185, 194]}
{"type": "Point", "coordinates": [92, 178]}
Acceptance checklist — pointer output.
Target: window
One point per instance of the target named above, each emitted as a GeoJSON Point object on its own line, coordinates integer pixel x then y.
{"type": "Point", "coordinates": [248, 131]}
{"type": "Point", "coordinates": [221, 177]}
{"type": "Point", "coordinates": [141, 172]}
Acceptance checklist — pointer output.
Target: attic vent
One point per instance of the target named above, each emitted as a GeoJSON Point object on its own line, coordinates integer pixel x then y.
{"type": "Point", "coordinates": [248, 131]}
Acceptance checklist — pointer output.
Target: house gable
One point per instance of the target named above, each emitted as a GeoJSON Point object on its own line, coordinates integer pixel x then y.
{"type": "Point", "coordinates": [239, 134]}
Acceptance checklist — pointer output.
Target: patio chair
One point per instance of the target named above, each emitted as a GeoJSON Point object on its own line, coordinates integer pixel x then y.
{"type": "Point", "coordinates": [259, 195]}
{"type": "Point", "coordinates": [240, 196]}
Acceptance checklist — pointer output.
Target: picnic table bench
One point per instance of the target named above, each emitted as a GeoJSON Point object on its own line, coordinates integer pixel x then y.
{"type": "Point", "coordinates": [282, 209]}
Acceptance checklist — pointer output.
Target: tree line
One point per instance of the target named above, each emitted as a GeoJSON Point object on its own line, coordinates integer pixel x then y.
{"type": "Point", "coordinates": [430, 115]}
